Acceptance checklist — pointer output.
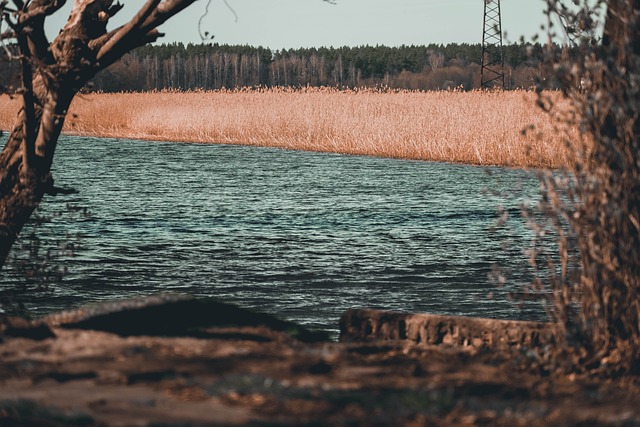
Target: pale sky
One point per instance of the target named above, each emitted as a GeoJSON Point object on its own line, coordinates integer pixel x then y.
{"type": "Point", "coordinates": [313, 23]}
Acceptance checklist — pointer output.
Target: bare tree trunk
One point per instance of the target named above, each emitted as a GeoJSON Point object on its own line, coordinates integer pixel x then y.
{"type": "Point", "coordinates": [52, 73]}
{"type": "Point", "coordinates": [23, 183]}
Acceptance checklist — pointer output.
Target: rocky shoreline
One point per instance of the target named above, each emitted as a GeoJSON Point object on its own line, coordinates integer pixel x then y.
{"type": "Point", "coordinates": [180, 361]}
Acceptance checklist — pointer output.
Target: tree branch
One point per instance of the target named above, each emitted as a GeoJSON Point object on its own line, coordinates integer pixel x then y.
{"type": "Point", "coordinates": [163, 12]}
{"type": "Point", "coordinates": [113, 9]}
{"type": "Point", "coordinates": [31, 23]}
{"type": "Point", "coordinates": [40, 9]}
{"type": "Point", "coordinates": [126, 31]}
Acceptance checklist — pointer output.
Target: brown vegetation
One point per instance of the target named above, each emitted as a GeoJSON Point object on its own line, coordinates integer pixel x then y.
{"type": "Point", "coordinates": [593, 208]}
{"type": "Point", "coordinates": [484, 128]}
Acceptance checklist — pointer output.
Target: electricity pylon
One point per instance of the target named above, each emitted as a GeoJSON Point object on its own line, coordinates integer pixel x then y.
{"type": "Point", "coordinates": [492, 70]}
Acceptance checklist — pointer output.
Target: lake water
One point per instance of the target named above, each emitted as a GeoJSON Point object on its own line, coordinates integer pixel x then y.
{"type": "Point", "coordinates": [300, 235]}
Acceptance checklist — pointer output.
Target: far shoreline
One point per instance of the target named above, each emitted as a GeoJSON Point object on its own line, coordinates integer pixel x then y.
{"type": "Point", "coordinates": [469, 128]}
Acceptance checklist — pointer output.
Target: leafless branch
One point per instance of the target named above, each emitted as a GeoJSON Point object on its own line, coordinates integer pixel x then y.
{"type": "Point", "coordinates": [235, 15]}
{"type": "Point", "coordinates": [164, 11]}
{"type": "Point", "coordinates": [127, 30]}
{"type": "Point", "coordinates": [40, 9]}
{"type": "Point", "coordinates": [204, 35]}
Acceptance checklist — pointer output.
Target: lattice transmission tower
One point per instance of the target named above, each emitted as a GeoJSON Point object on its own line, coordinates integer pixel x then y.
{"type": "Point", "coordinates": [492, 70]}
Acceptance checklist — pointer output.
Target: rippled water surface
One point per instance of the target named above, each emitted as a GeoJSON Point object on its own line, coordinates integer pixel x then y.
{"type": "Point", "coordinates": [300, 235]}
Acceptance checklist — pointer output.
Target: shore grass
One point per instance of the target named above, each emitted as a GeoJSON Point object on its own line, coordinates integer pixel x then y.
{"type": "Point", "coordinates": [483, 128]}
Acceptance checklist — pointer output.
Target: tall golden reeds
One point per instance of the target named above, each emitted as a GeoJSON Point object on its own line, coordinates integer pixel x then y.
{"type": "Point", "coordinates": [484, 128]}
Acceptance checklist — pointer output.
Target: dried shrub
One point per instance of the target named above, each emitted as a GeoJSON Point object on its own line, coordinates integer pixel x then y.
{"type": "Point", "coordinates": [593, 207]}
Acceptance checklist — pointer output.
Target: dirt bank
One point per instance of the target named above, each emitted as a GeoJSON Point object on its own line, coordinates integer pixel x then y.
{"type": "Point", "coordinates": [218, 369]}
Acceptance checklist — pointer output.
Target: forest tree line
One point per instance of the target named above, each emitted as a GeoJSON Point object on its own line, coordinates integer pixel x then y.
{"type": "Point", "coordinates": [212, 66]}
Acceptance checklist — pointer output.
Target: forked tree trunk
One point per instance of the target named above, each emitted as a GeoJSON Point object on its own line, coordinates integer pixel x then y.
{"type": "Point", "coordinates": [52, 74]}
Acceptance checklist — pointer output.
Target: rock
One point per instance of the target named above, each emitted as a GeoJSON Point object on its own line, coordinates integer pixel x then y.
{"type": "Point", "coordinates": [434, 329]}
{"type": "Point", "coordinates": [172, 315]}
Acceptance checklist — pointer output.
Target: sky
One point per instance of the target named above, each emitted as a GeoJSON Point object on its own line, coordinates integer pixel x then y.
{"type": "Point", "coordinates": [281, 24]}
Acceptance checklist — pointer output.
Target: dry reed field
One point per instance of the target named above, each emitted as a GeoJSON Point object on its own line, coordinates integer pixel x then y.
{"type": "Point", "coordinates": [483, 128]}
